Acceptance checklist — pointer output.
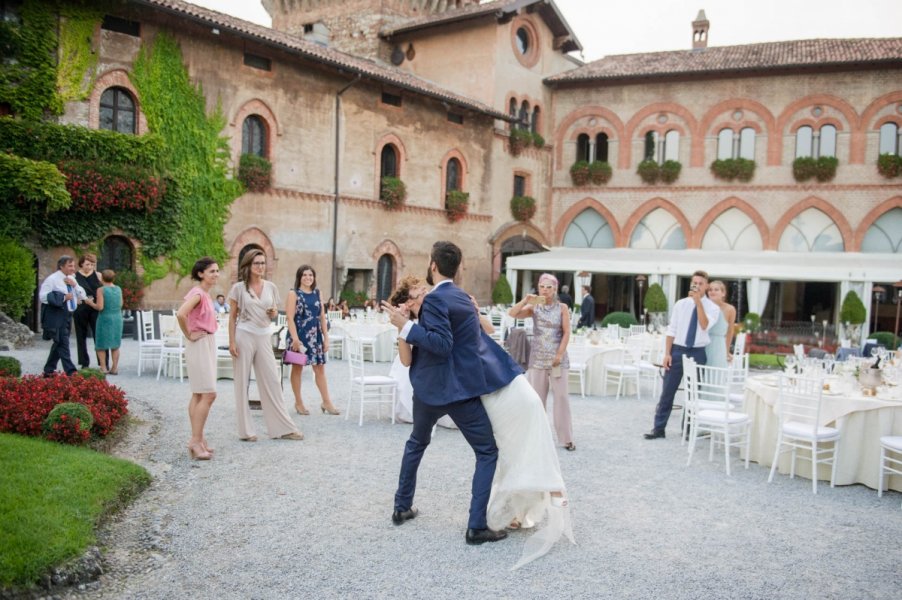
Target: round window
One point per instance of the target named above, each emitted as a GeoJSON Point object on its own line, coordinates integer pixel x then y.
{"type": "Point", "coordinates": [523, 40]}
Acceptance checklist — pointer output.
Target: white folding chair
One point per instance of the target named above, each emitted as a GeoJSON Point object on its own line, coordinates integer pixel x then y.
{"type": "Point", "coordinates": [333, 316]}
{"type": "Point", "coordinates": [578, 366]}
{"type": "Point", "coordinates": [739, 344]}
{"type": "Point", "coordinates": [740, 372]}
{"type": "Point", "coordinates": [799, 410]}
{"type": "Point", "coordinates": [888, 464]}
{"type": "Point", "coordinates": [649, 364]}
{"type": "Point", "coordinates": [637, 329]}
{"type": "Point", "coordinates": [173, 348]}
{"type": "Point", "coordinates": [149, 345]}
{"type": "Point", "coordinates": [709, 411]}
{"type": "Point", "coordinates": [368, 389]}
{"type": "Point", "coordinates": [282, 320]}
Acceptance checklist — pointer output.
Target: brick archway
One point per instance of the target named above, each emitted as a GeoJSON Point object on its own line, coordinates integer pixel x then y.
{"type": "Point", "coordinates": [114, 78]}
{"type": "Point", "coordinates": [706, 126]}
{"type": "Point", "coordinates": [845, 230]}
{"type": "Point", "coordinates": [571, 213]}
{"type": "Point", "coordinates": [856, 142]}
{"type": "Point", "coordinates": [586, 111]}
{"type": "Point", "coordinates": [509, 230]}
{"type": "Point", "coordinates": [721, 207]}
{"type": "Point", "coordinates": [252, 235]}
{"type": "Point", "coordinates": [868, 220]}
{"type": "Point", "coordinates": [679, 110]}
{"type": "Point", "coordinates": [645, 209]}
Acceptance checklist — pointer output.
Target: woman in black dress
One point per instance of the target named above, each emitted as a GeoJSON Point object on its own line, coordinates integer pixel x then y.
{"type": "Point", "coordinates": [86, 314]}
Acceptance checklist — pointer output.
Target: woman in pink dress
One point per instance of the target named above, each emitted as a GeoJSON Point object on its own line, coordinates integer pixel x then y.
{"type": "Point", "coordinates": [197, 320]}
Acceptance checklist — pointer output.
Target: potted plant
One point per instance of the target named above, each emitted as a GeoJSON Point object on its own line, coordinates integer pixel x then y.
{"type": "Point", "coordinates": [456, 204]}
{"type": "Point", "coordinates": [519, 139]}
{"type": "Point", "coordinates": [825, 169]}
{"type": "Point", "coordinates": [889, 165]}
{"type": "Point", "coordinates": [537, 140]}
{"type": "Point", "coordinates": [670, 171]}
{"type": "Point", "coordinates": [501, 293]}
{"type": "Point", "coordinates": [579, 172]}
{"type": "Point", "coordinates": [255, 172]}
{"type": "Point", "coordinates": [729, 169]}
{"type": "Point", "coordinates": [752, 322]}
{"type": "Point", "coordinates": [600, 172]}
{"type": "Point", "coordinates": [523, 207]}
{"type": "Point", "coordinates": [656, 304]}
{"type": "Point", "coordinates": [648, 171]}
{"type": "Point", "coordinates": [393, 192]}
{"type": "Point", "coordinates": [803, 168]}
{"type": "Point", "coordinates": [852, 314]}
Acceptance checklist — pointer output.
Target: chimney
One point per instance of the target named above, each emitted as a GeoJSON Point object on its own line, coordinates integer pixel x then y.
{"type": "Point", "coordinates": [700, 31]}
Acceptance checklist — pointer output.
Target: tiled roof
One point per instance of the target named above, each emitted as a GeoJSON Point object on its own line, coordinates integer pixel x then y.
{"type": "Point", "coordinates": [547, 9]}
{"type": "Point", "coordinates": [321, 54]}
{"type": "Point", "coordinates": [771, 56]}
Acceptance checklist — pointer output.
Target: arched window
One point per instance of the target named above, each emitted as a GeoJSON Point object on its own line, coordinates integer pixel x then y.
{"type": "Point", "coordinates": [582, 147]}
{"type": "Point", "coordinates": [116, 253]}
{"type": "Point", "coordinates": [747, 143]}
{"type": "Point", "coordinates": [535, 119]}
{"type": "Point", "coordinates": [389, 161]}
{"type": "Point", "coordinates": [889, 139]}
{"type": "Point", "coordinates": [732, 230]}
{"type": "Point", "coordinates": [651, 143]}
{"type": "Point", "coordinates": [117, 111]}
{"type": "Point", "coordinates": [512, 110]}
{"type": "Point", "coordinates": [452, 175]}
{"type": "Point", "coordinates": [725, 144]}
{"type": "Point", "coordinates": [589, 230]}
{"type": "Point", "coordinates": [658, 230]}
{"type": "Point", "coordinates": [812, 230]}
{"type": "Point", "coordinates": [671, 146]}
{"type": "Point", "coordinates": [253, 136]}
{"type": "Point", "coordinates": [524, 115]}
{"type": "Point", "coordinates": [601, 147]}
{"type": "Point", "coordinates": [385, 277]}
{"type": "Point", "coordinates": [885, 234]}
{"type": "Point", "coordinates": [804, 137]}
{"type": "Point", "coordinates": [827, 143]}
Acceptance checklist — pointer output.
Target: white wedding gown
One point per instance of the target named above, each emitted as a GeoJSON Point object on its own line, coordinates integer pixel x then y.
{"type": "Point", "coordinates": [527, 470]}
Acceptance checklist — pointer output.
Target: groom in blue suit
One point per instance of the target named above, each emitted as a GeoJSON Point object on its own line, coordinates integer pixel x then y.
{"type": "Point", "coordinates": [449, 374]}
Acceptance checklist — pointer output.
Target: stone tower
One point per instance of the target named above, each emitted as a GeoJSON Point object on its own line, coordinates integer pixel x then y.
{"type": "Point", "coordinates": [700, 31]}
{"type": "Point", "coordinates": [352, 25]}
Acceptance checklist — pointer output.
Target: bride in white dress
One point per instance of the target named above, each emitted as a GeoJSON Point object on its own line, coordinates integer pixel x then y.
{"type": "Point", "coordinates": [528, 488]}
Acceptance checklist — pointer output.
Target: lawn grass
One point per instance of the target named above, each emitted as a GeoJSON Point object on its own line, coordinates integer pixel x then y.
{"type": "Point", "coordinates": [765, 361]}
{"type": "Point", "coordinates": [51, 498]}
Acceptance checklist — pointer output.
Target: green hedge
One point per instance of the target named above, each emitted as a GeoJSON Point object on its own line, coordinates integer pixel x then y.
{"type": "Point", "coordinates": [17, 283]}
{"type": "Point", "coordinates": [624, 319]}
{"type": "Point", "coordinates": [34, 182]}
{"type": "Point", "coordinates": [884, 338]}
{"type": "Point", "coordinates": [54, 143]}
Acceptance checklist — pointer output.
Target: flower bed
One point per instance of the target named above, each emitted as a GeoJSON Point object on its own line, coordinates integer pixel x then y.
{"type": "Point", "coordinates": [26, 402]}
{"type": "Point", "coordinates": [95, 187]}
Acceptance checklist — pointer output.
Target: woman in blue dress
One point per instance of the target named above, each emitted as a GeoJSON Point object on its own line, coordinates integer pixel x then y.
{"type": "Point", "coordinates": [108, 335]}
{"type": "Point", "coordinates": [307, 332]}
{"type": "Point", "coordinates": [721, 333]}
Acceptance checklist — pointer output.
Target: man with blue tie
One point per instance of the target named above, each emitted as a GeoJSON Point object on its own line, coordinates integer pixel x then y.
{"type": "Point", "coordinates": [687, 335]}
{"type": "Point", "coordinates": [448, 375]}
{"type": "Point", "coordinates": [60, 295]}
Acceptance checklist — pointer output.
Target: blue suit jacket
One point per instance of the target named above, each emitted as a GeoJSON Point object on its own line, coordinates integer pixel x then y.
{"type": "Point", "coordinates": [452, 359]}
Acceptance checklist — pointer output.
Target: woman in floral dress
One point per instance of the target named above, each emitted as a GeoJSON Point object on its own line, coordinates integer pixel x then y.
{"type": "Point", "coordinates": [307, 330]}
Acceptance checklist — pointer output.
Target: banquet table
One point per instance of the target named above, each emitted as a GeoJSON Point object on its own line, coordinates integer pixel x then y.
{"type": "Point", "coordinates": [383, 335]}
{"type": "Point", "coordinates": [596, 356]}
{"type": "Point", "coordinates": [861, 419]}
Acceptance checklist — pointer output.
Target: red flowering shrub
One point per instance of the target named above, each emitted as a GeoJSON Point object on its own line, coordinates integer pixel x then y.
{"type": "Point", "coordinates": [69, 423]}
{"type": "Point", "coordinates": [26, 402]}
{"type": "Point", "coordinates": [95, 187]}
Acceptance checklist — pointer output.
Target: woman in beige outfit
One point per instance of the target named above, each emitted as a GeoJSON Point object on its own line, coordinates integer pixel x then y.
{"type": "Point", "coordinates": [253, 303]}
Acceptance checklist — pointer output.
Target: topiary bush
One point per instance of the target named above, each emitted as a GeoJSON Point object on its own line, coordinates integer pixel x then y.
{"type": "Point", "coordinates": [69, 423]}
{"type": "Point", "coordinates": [501, 293]}
{"type": "Point", "coordinates": [18, 282]}
{"type": "Point", "coordinates": [655, 300]}
{"type": "Point", "coordinates": [624, 319]}
{"type": "Point", "coordinates": [10, 367]}
{"type": "Point", "coordinates": [852, 310]}
{"type": "Point", "coordinates": [884, 338]}
{"type": "Point", "coordinates": [752, 322]}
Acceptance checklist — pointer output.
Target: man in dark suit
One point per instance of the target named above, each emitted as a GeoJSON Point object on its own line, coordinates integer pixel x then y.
{"type": "Point", "coordinates": [448, 375]}
{"type": "Point", "coordinates": [587, 309]}
{"type": "Point", "coordinates": [60, 295]}
{"type": "Point", "coordinates": [565, 297]}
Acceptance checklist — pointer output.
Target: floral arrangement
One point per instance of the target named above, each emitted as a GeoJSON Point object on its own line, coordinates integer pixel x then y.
{"type": "Point", "coordinates": [456, 204]}
{"type": "Point", "coordinates": [523, 208]}
{"type": "Point", "coordinates": [255, 172]}
{"type": "Point", "coordinates": [69, 423]}
{"type": "Point", "coordinates": [26, 402]}
{"type": "Point", "coordinates": [393, 192]}
{"type": "Point", "coordinates": [132, 286]}
{"type": "Point", "coordinates": [97, 188]}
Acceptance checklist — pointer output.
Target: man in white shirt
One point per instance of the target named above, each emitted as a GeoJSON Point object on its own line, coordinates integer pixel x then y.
{"type": "Point", "coordinates": [221, 306]}
{"type": "Point", "coordinates": [60, 295]}
{"type": "Point", "coordinates": [687, 335]}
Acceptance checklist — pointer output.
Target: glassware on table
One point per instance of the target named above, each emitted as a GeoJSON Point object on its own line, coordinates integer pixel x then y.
{"type": "Point", "coordinates": [790, 362]}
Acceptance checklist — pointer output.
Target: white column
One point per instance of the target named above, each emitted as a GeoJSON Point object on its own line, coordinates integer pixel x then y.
{"type": "Point", "coordinates": [669, 284]}
{"type": "Point", "coordinates": [512, 280]}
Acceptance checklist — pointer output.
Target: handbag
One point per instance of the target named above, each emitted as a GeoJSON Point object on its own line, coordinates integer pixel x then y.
{"type": "Point", "coordinates": [294, 358]}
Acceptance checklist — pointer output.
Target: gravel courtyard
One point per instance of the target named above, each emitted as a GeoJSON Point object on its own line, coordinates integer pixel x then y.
{"type": "Point", "coordinates": [311, 519]}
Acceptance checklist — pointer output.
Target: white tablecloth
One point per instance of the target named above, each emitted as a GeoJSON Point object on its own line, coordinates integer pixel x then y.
{"type": "Point", "coordinates": [863, 421]}
{"type": "Point", "coordinates": [383, 335]}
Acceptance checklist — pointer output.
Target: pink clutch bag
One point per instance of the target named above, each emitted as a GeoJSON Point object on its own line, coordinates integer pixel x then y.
{"type": "Point", "coordinates": [294, 358]}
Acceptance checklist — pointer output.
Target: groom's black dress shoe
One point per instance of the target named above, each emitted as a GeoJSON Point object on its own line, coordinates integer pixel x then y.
{"type": "Point", "coordinates": [399, 516]}
{"type": "Point", "coordinates": [480, 536]}
{"type": "Point", "coordinates": [654, 434]}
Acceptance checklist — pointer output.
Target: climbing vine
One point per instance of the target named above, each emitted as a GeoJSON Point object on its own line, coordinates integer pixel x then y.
{"type": "Point", "coordinates": [28, 73]}
{"type": "Point", "coordinates": [77, 67]}
{"type": "Point", "coordinates": [196, 154]}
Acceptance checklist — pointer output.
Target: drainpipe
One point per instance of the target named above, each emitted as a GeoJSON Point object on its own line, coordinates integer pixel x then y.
{"type": "Point", "coordinates": [335, 199]}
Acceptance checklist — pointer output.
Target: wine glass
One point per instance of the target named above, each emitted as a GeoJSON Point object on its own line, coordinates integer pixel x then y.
{"type": "Point", "coordinates": [829, 362]}
{"type": "Point", "coordinates": [875, 351]}
{"type": "Point", "coordinates": [790, 363]}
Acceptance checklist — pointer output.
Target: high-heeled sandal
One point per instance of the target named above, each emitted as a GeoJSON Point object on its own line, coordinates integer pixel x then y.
{"type": "Point", "coordinates": [331, 411]}
{"type": "Point", "coordinates": [200, 454]}
{"type": "Point", "coordinates": [302, 410]}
